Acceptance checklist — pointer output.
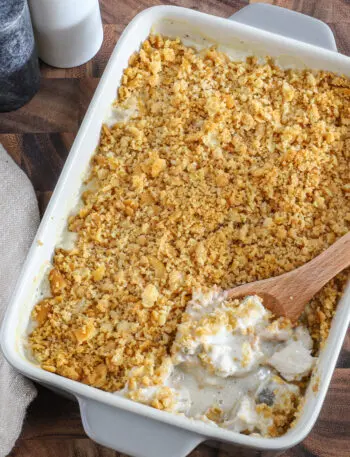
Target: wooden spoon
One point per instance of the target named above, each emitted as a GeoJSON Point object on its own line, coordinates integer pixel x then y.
{"type": "Point", "coordinates": [287, 294]}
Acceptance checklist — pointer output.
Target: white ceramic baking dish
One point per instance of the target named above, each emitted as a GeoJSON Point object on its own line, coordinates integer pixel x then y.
{"type": "Point", "coordinates": [116, 422]}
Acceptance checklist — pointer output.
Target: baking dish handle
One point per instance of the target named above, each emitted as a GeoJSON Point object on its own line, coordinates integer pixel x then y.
{"type": "Point", "coordinates": [133, 434]}
{"type": "Point", "coordinates": [287, 23]}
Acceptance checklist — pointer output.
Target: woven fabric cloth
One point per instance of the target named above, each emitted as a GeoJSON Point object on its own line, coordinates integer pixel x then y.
{"type": "Point", "coordinates": [19, 219]}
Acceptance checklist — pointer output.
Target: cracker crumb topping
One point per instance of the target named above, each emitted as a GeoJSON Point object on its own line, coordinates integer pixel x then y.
{"type": "Point", "coordinates": [225, 173]}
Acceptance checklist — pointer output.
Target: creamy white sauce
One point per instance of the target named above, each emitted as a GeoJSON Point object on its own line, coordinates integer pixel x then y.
{"type": "Point", "coordinates": [67, 239]}
{"type": "Point", "coordinates": [123, 113]}
{"type": "Point", "coordinates": [205, 392]}
{"type": "Point", "coordinates": [226, 353]}
{"type": "Point", "coordinates": [231, 357]}
{"type": "Point", "coordinates": [293, 362]}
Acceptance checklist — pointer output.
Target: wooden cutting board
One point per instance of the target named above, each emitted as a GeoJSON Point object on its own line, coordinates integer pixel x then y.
{"type": "Point", "coordinates": [39, 136]}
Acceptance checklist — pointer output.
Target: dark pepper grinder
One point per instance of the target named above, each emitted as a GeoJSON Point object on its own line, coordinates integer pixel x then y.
{"type": "Point", "coordinates": [19, 67]}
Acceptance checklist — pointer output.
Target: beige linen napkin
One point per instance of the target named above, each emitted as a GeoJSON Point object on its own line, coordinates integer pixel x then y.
{"type": "Point", "coordinates": [19, 218]}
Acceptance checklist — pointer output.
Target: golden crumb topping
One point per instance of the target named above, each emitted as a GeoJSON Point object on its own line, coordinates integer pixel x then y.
{"type": "Point", "coordinates": [225, 173]}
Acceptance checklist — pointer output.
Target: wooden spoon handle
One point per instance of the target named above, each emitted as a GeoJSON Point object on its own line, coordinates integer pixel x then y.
{"type": "Point", "coordinates": [316, 273]}
{"type": "Point", "coordinates": [287, 294]}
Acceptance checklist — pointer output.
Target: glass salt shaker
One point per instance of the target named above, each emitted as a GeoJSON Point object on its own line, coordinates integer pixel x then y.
{"type": "Point", "coordinates": [19, 67]}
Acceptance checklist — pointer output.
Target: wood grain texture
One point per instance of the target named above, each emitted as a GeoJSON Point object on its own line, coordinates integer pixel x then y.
{"type": "Point", "coordinates": [39, 136]}
{"type": "Point", "coordinates": [55, 108]}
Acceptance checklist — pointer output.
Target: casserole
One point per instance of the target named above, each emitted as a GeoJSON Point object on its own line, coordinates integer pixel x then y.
{"type": "Point", "coordinates": [111, 420]}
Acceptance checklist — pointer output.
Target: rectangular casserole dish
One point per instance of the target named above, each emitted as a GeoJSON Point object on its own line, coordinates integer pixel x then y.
{"type": "Point", "coordinates": [116, 422]}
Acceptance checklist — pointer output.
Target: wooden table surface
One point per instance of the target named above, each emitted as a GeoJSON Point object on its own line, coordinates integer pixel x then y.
{"type": "Point", "coordinates": [39, 136]}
